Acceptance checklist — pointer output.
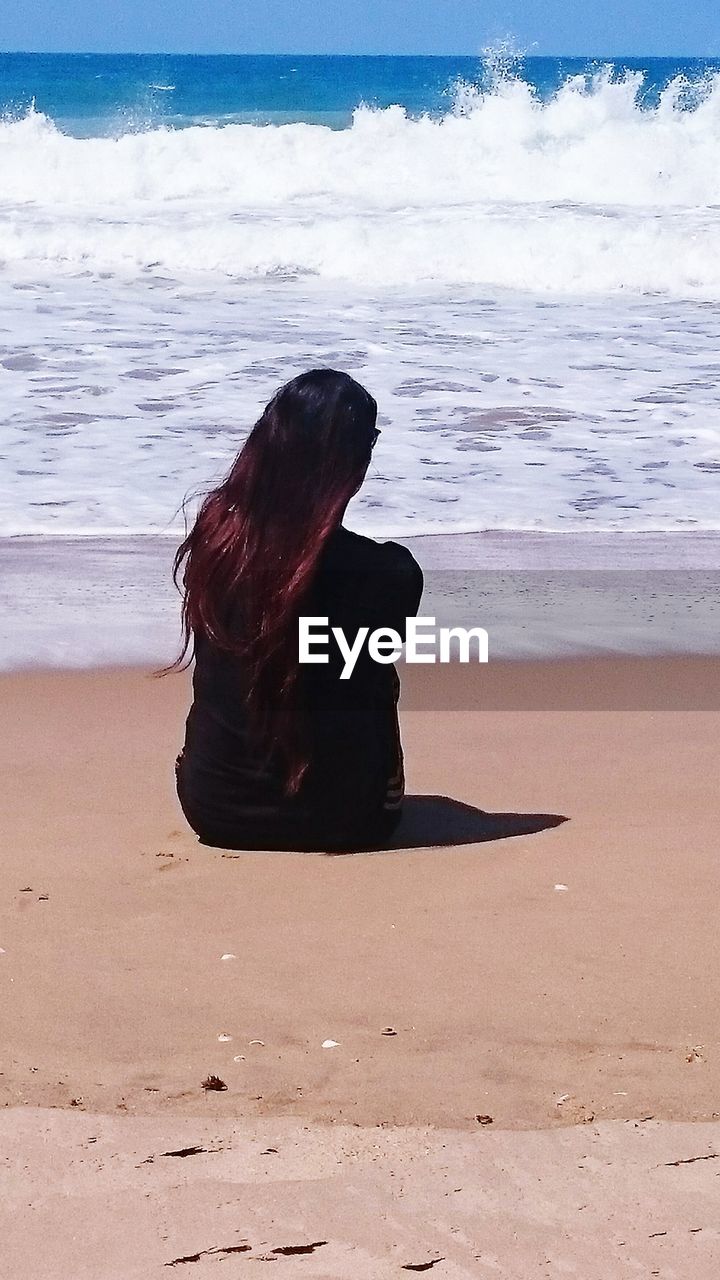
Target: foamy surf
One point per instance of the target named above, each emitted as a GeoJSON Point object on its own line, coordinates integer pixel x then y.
{"type": "Point", "coordinates": [590, 191]}
{"type": "Point", "coordinates": [525, 279]}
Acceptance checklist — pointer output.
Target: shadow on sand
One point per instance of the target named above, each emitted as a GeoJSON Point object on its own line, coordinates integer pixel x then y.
{"type": "Point", "coordinates": [432, 822]}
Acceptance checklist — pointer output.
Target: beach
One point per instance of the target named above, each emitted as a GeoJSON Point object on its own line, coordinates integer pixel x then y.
{"type": "Point", "coordinates": [555, 975]}
{"type": "Point", "coordinates": [490, 1050]}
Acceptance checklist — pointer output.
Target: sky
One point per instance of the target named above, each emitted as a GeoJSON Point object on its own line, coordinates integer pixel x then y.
{"type": "Point", "coordinates": [594, 27]}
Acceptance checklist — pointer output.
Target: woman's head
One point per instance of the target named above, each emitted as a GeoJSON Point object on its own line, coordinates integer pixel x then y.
{"type": "Point", "coordinates": [313, 442]}
{"type": "Point", "coordinates": [258, 537]}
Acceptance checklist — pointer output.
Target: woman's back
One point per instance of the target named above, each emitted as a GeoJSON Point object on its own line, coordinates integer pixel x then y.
{"type": "Point", "coordinates": [231, 785]}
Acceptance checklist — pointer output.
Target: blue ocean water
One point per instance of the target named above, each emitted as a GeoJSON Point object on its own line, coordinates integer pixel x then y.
{"type": "Point", "coordinates": [519, 257]}
{"type": "Point", "coordinates": [104, 94]}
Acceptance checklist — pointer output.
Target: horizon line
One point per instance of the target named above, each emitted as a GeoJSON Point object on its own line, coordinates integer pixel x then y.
{"type": "Point", "coordinates": [479, 54]}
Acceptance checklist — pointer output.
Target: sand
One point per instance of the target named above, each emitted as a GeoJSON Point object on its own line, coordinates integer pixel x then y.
{"type": "Point", "coordinates": [92, 601]}
{"type": "Point", "coordinates": [559, 977]}
{"type": "Point", "coordinates": [115, 1199]}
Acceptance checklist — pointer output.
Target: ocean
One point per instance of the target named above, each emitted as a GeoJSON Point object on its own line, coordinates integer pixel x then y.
{"type": "Point", "coordinates": [520, 259]}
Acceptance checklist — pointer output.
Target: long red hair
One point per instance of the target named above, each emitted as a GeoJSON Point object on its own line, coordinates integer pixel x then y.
{"type": "Point", "coordinates": [250, 557]}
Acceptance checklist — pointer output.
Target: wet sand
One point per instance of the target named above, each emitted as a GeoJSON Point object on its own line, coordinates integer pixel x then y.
{"type": "Point", "coordinates": [82, 602]}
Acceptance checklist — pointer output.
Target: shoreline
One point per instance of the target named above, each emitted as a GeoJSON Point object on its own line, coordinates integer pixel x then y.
{"type": "Point", "coordinates": [89, 603]}
{"type": "Point", "coordinates": [655, 544]}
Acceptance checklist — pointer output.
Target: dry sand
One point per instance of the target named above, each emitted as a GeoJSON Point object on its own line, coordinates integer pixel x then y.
{"type": "Point", "coordinates": [570, 1016]}
{"type": "Point", "coordinates": [95, 1197]}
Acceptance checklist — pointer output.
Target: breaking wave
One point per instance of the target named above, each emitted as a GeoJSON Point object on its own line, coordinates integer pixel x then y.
{"type": "Point", "coordinates": [590, 191]}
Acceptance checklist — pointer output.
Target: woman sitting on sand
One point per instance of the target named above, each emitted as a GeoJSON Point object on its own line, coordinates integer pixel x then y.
{"type": "Point", "coordinates": [279, 754]}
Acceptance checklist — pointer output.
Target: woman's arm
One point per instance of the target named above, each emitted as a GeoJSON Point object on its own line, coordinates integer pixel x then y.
{"type": "Point", "coordinates": [398, 590]}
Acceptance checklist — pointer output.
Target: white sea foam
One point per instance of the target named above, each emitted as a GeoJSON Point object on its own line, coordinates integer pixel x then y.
{"type": "Point", "coordinates": [497, 412]}
{"type": "Point", "coordinates": [528, 288]}
{"type": "Point", "coordinates": [585, 193]}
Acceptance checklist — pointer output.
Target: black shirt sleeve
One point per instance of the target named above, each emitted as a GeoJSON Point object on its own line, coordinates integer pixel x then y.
{"type": "Point", "coordinates": [403, 588]}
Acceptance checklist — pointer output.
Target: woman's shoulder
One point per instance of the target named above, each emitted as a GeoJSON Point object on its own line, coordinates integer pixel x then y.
{"type": "Point", "coordinates": [359, 552]}
{"type": "Point", "coordinates": [374, 583]}
{"type": "Point", "coordinates": [385, 575]}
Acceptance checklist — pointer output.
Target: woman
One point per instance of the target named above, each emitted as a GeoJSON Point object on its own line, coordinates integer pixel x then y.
{"type": "Point", "coordinates": [279, 754]}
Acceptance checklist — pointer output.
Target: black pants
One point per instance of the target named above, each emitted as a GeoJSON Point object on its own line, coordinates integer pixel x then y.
{"type": "Point", "coordinates": [301, 833]}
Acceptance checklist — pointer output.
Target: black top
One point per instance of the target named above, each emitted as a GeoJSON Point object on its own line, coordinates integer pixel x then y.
{"type": "Point", "coordinates": [232, 795]}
